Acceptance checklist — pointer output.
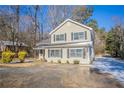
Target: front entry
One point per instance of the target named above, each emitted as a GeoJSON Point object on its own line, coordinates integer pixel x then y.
{"type": "Point", "coordinates": [41, 53]}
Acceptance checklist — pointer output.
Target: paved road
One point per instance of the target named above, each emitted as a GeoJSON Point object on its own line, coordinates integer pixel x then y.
{"type": "Point", "coordinates": [54, 75]}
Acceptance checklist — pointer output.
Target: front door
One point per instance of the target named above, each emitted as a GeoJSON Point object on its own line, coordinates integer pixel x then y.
{"type": "Point", "coordinates": [41, 54]}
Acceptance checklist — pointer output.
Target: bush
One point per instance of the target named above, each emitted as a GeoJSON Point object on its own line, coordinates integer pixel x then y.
{"type": "Point", "coordinates": [121, 54]}
{"type": "Point", "coordinates": [7, 56]}
{"type": "Point", "coordinates": [45, 60]}
{"type": "Point", "coordinates": [76, 62]}
{"type": "Point", "coordinates": [51, 61]}
{"type": "Point", "coordinates": [59, 61]}
{"type": "Point", "coordinates": [67, 62]}
{"type": "Point", "coordinates": [22, 55]}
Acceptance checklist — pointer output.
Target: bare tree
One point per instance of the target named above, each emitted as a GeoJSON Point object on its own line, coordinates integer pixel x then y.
{"type": "Point", "coordinates": [57, 14]}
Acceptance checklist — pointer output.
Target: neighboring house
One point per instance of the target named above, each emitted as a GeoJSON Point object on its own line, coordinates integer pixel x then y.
{"type": "Point", "coordinates": [11, 45]}
{"type": "Point", "coordinates": [70, 42]}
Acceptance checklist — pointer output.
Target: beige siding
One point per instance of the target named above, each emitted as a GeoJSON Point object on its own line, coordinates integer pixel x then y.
{"type": "Point", "coordinates": [68, 28]}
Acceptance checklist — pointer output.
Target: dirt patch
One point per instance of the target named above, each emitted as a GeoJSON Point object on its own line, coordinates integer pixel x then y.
{"type": "Point", "coordinates": [54, 75]}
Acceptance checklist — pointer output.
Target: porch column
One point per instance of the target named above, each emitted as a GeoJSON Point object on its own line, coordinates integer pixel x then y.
{"type": "Point", "coordinates": [88, 49]}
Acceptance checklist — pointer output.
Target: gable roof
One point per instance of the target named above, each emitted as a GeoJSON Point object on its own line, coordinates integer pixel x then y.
{"type": "Point", "coordinates": [69, 20]}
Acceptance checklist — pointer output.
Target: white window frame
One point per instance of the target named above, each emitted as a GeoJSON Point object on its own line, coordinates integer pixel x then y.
{"type": "Point", "coordinates": [78, 36]}
{"type": "Point", "coordinates": [55, 53]}
{"type": "Point", "coordinates": [60, 37]}
{"type": "Point", "coordinates": [76, 52]}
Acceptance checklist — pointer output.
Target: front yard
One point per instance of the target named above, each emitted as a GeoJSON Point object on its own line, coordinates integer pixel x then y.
{"type": "Point", "coordinates": [54, 75]}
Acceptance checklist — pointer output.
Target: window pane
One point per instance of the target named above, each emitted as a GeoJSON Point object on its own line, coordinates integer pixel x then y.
{"type": "Point", "coordinates": [60, 37]}
{"type": "Point", "coordinates": [55, 53]}
{"type": "Point", "coordinates": [79, 52]}
{"type": "Point", "coordinates": [57, 37]}
{"type": "Point", "coordinates": [78, 36]}
{"type": "Point", "coordinates": [75, 36]}
{"type": "Point", "coordinates": [81, 35]}
{"type": "Point", "coordinates": [76, 52]}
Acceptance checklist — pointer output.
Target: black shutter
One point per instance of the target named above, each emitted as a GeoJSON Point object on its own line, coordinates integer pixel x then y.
{"type": "Point", "coordinates": [54, 38]}
{"type": "Point", "coordinates": [72, 36]}
{"type": "Point", "coordinates": [65, 36]}
{"type": "Point", "coordinates": [61, 53]}
{"type": "Point", "coordinates": [84, 52]}
{"type": "Point", "coordinates": [48, 53]}
{"type": "Point", "coordinates": [67, 53]}
{"type": "Point", "coordinates": [85, 35]}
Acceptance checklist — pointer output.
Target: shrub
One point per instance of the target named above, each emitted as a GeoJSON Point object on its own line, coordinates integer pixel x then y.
{"type": "Point", "coordinates": [67, 62]}
{"type": "Point", "coordinates": [121, 54]}
{"type": "Point", "coordinates": [45, 60]}
{"type": "Point", "coordinates": [7, 56]}
{"type": "Point", "coordinates": [41, 59]}
{"type": "Point", "coordinates": [76, 62]}
{"type": "Point", "coordinates": [51, 61]}
{"type": "Point", "coordinates": [59, 61]}
{"type": "Point", "coordinates": [22, 55]}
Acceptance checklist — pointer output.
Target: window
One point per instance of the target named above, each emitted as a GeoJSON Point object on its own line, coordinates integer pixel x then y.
{"type": "Point", "coordinates": [76, 53]}
{"type": "Point", "coordinates": [54, 53]}
{"type": "Point", "coordinates": [75, 36]}
{"type": "Point", "coordinates": [78, 36]}
{"type": "Point", "coordinates": [60, 37]}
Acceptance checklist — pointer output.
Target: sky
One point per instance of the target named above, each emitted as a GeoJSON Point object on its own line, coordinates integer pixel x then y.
{"type": "Point", "coordinates": [107, 16]}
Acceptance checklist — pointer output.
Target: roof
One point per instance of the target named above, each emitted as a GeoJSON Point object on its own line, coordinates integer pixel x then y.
{"type": "Point", "coordinates": [10, 43]}
{"type": "Point", "coordinates": [69, 44]}
{"type": "Point", "coordinates": [69, 20]}
{"type": "Point", "coordinates": [44, 42]}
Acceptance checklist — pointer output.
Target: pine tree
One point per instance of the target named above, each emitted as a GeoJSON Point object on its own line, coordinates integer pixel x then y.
{"type": "Point", "coordinates": [115, 41]}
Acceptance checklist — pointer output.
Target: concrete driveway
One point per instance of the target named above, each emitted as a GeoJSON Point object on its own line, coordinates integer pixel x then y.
{"type": "Point", "coordinates": [54, 75]}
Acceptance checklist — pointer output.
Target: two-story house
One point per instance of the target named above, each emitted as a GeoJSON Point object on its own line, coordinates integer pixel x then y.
{"type": "Point", "coordinates": [70, 42]}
